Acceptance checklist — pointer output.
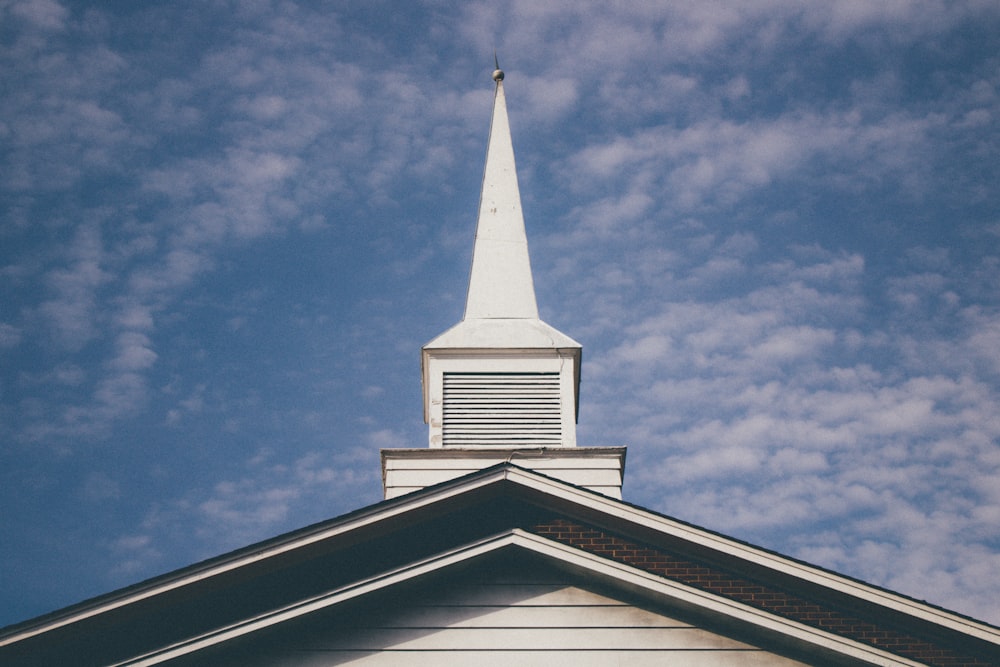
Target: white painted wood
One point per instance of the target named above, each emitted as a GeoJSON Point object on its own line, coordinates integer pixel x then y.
{"type": "Point", "coordinates": [242, 641]}
{"type": "Point", "coordinates": [527, 614]}
{"type": "Point", "coordinates": [585, 477]}
{"type": "Point", "coordinates": [736, 553]}
{"type": "Point", "coordinates": [501, 409]}
{"type": "Point", "coordinates": [500, 332]}
{"type": "Point", "coordinates": [522, 592]}
{"type": "Point", "coordinates": [398, 491]}
{"type": "Point", "coordinates": [541, 616]}
{"type": "Point", "coordinates": [500, 284]}
{"type": "Point", "coordinates": [540, 460]}
{"type": "Point", "coordinates": [553, 638]}
{"type": "Point", "coordinates": [503, 658]}
{"type": "Point", "coordinates": [504, 358]}
{"type": "Point", "coordinates": [598, 469]}
{"type": "Point", "coordinates": [742, 552]}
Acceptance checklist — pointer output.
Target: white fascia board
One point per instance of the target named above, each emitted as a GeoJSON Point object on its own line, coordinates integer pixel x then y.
{"type": "Point", "coordinates": [337, 596]}
{"type": "Point", "coordinates": [554, 488]}
{"type": "Point", "coordinates": [708, 602]}
{"type": "Point", "coordinates": [742, 551]}
{"type": "Point", "coordinates": [589, 456]}
{"type": "Point", "coordinates": [594, 565]}
{"type": "Point", "coordinates": [354, 521]}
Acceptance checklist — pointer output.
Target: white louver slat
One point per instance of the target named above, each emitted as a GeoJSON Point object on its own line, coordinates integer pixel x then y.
{"type": "Point", "coordinates": [501, 409]}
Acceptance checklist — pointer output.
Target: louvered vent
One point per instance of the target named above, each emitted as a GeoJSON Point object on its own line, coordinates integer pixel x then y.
{"type": "Point", "coordinates": [501, 409]}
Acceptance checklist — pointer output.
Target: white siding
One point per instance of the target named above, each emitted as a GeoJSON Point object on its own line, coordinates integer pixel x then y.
{"type": "Point", "coordinates": [530, 617]}
{"type": "Point", "coordinates": [596, 468]}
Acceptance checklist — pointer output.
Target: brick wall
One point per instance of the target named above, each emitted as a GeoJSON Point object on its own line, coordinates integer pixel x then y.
{"type": "Point", "coordinates": [755, 594]}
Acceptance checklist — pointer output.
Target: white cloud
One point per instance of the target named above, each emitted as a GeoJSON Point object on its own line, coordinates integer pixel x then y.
{"type": "Point", "coordinates": [72, 311]}
{"type": "Point", "coordinates": [984, 337]}
{"type": "Point", "coordinates": [904, 18]}
{"type": "Point", "coordinates": [546, 99]}
{"type": "Point", "coordinates": [269, 498]}
{"type": "Point", "coordinates": [715, 161]}
{"type": "Point", "coordinates": [133, 555]}
{"type": "Point", "coordinates": [10, 335]}
{"type": "Point", "coordinates": [134, 352]}
{"type": "Point", "coordinates": [47, 14]}
{"type": "Point", "coordinates": [737, 419]}
{"type": "Point", "coordinates": [99, 487]}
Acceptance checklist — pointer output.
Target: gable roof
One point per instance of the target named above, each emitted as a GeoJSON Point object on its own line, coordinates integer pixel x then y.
{"type": "Point", "coordinates": [799, 608]}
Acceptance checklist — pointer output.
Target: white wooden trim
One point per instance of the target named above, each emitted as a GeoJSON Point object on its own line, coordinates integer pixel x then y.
{"type": "Point", "coordinates": [596, 468]}
{"type": "Point", "coordinates": [367, 517]}
{"type": "Point", "coordinates": [556, 489]}
{"type": "Point", "coordinates": [577, 558]}
{"type": "Point", "coordinates": [757, 556]}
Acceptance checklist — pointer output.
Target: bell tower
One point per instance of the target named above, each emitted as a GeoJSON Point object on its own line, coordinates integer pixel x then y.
{"type": "Point", "coordinates": [501, 385]}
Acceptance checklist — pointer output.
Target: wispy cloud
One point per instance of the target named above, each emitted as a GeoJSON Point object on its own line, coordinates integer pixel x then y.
{"type": "Point", "coordinates": [773, 414]}
{"type": "Point", "coordinates": [268, 497]}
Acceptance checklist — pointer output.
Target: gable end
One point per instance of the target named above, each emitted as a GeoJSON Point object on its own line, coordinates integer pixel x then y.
{"type": "Point", "coordinates": [820, 614]}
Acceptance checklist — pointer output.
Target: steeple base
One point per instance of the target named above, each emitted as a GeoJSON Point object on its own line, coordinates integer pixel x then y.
{"type": "Point", "coordinates": [599, 469]}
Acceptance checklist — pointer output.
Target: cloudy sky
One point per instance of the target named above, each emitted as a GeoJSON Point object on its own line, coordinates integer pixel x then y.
{"type": "Point", "coordinates": [226, 229]}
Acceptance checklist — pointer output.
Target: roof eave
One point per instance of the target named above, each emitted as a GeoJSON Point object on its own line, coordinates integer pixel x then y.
{"type": "Point", "coordinates": [382, 518]}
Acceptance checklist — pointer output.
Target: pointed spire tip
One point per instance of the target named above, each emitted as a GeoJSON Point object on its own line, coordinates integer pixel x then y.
{"type": "Point", "coordinates": [497, 73]}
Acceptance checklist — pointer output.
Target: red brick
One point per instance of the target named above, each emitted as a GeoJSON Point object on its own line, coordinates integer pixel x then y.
{"type": "Point", "coordinates": [734, 587]}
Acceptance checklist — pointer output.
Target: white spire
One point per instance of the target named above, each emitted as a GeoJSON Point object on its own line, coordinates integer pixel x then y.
{"type": "Point", "coordinates": [501, 376]}
{"type": "Point", "coordinates": [501, 385]}
{"type": "Point", "coordinates": [500, 285]}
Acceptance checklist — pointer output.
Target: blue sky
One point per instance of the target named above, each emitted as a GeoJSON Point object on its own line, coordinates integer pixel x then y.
{"type": "Point", "coordinates": [226, 229]}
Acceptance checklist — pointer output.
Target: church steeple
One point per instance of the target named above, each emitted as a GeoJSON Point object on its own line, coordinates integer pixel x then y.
{"type": "Point", "coordinates": [501, 385]}
{"type": "Point", "coordinates": [500, 284]}
{"type": "Point", "coordinates": [501, 377]}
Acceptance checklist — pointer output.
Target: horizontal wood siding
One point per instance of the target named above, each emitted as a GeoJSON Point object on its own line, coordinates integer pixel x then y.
{"type": "Point", "coordinates": [509, 658]}
{"type": "Point", "coordinates": [525, 618]}
{"type": "Point", "coordinates": [585, 477]}
{"type": "Point", "coordinates": [577, 465]}
{"type": "Point", "coordinates": [873, 630]}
